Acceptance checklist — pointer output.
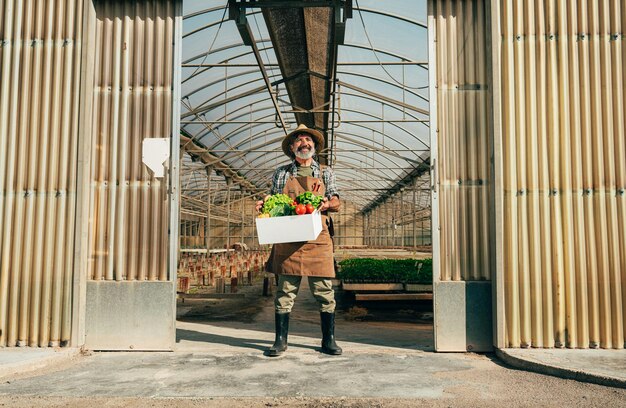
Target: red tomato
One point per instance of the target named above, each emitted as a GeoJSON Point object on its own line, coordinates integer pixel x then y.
{"type": "Point", "coordinates": [309, 208]}
{"type": "Point", "coordinates": [300, 209]}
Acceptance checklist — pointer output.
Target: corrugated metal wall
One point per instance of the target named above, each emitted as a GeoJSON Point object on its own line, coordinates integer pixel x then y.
{"type": "Point", "coordinates": [40, 54]}
{"type": "Point", "coordinates": [564, 172]}
{"type": "Point", "coordinates": [132, 101]}
{"type": "Point", "coordinates": [462, 168]}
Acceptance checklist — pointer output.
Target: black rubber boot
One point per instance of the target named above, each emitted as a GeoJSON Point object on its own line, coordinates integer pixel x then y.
{"type": "Point", "coordinates": [328, 334]}
{"type": "Point", "coordinates": [282, 329]}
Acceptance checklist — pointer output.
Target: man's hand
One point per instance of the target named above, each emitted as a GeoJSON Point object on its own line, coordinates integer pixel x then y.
{"type": "Point", "coordinates": [324, 205]}
{"type": "Point", "coordinates": [259, 204]}
{"type": "Point", "coordinates": [330, 205]}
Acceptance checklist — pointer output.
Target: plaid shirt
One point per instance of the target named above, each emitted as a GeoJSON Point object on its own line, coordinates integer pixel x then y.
{"type": "Point", "coordinates": [284, 172]}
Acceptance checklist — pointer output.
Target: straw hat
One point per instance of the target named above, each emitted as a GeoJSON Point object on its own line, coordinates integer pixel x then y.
{"type": "Point", "coordinates": [302, 129]}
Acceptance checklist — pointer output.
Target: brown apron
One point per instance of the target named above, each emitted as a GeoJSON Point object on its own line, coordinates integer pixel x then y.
{"type": "Point", "coordinates": [311, 258]}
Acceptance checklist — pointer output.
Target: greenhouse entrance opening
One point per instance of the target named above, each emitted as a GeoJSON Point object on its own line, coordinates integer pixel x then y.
{"type": "Point", "coordinates": [357, 71]}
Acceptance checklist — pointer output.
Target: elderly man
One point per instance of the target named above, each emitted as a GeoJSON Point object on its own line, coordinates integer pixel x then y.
{"type": "Point", "coordinates": [313, 259]}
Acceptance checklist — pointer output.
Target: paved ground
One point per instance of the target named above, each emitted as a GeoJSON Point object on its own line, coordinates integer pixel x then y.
{"type": "Point", "coordinates": [219, 362]}
{"type": "Point", "coordinates": [605, 367]}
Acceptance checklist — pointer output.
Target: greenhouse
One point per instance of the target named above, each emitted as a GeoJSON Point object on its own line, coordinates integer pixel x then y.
{"type": "Point", "coordinates": [472, 153]}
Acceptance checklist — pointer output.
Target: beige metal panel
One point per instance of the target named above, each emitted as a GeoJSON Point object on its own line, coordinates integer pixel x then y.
{"type": "Point", "coordinates": [564, 176]}
{"type": "Point", "coordinates": [40, 58]}
{"type": "Point", "coordinates": [132, 102]}
{"type": "Point", "coordinates": [463, 164]}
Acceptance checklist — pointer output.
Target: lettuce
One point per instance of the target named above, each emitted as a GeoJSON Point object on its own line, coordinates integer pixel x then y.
{"type": "Point", "coordinates": [278, 205]}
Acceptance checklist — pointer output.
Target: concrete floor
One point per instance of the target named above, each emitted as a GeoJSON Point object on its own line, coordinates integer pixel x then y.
{"type": "Point", "coordinates": [219, 362]}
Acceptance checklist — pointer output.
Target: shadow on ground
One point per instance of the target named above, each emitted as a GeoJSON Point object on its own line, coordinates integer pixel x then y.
{"type": "Point", "coordinates": [406, 325]}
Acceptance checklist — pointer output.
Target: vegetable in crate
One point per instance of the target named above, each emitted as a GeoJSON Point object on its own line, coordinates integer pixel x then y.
{"type": "Point", "coordinates": [309, 198]}
{"type": "Point", "coordinates": [278, 205]}
{"type": "Point", "coordinates": [300, 209]}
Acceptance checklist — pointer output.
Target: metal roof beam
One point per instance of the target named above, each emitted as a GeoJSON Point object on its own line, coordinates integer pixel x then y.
{"type": "Point", "coordinates": [238, 14]}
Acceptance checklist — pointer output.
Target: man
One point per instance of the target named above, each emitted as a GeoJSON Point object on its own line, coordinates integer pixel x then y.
{"type": "Point", "coordinates": [313, 259]}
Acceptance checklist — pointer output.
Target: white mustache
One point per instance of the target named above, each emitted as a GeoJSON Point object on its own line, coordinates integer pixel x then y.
{"type": "Point", "coordinates": [305, 156]}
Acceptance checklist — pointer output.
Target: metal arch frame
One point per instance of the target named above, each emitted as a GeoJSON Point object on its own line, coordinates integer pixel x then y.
{"type": "Point", "coordinates": [382, 152]}
{"type": "Point", "coordinates": [391, 54]}
{"type": "Point", "coordinates": [391, 105]}
{"type": "Point", "coordinates": [217, 104]}
{"type": "Point", "coordinates": [200, 135]}
{"type": "Point", "coordinates": [205, 11]}
{"type": "Point", "coordinates": [239, 16]}
{"type": "Point", "coordinates": [222, 118]}
{"type": "Point", "coordinates": [261, 155]}
{"type": "Point", "coordinates": [235, 153]}
{"type": "Point", "coordinates": [248, 126]}
{"type": "Point", "coordinates": [237, 131]}
{"type": "Point", "coordinates": [372, 115]}
{"type": "Point", "coordinates": [216, 82]}
{"type": "Point", "coordinates": [347, 137]}
{"type": "Point", "coordinates": [371, 96]}
{"type": "Point", "coordinates": [232, 46]}
{"type": "Point", "coordinates": [201, 183]}
{"type": "Point", "coordinates": [238, 153]}
{"type": "Point", "coordinates": [202, 108]}
{"type": "Point", "coordinates": [225, 48]}
{"type": "Point", "coordinates": [378, 183]}
{"type": "Point", "coordinates": [188, 61]}
{"type": "Point", "coordinates": [352, 141]}
{"type": "Point", "coordinates": [355, 168]}
{"type": "Point", "coordinates": [219, 122]}
{"type": "Point", "coordinates": [375, 94]}
{"type": "Point", "coordinates": [218, 50]}
{"type": "Point", "coordinates": [233, 174]}
{"type": "Point", "coordinates": [376, 160]}
{"type": "Point", "coordinates": [378, 118]}
{"type": "Point", "coordinates": [223, 158]}
{"type": "Point", "coordinates": [244, 54]}
{"type": "Point", "coordinates": [368, 10]}
{"type": "Point", "coordinates": [204, 27]}
{"type": "Point", "coordinates": [348, 159]}
{"type": "Point", "coordinates": [251, 125]}
{"type": "Point", "coordinates": [380, 133]}
{"type": "Point", "coordinates": [383, 98]}
{"type": "Point", "coordinates": [347, 164]}
{"type": "Point", "coordinates": [379, 151]}
{"type": "Point", "coordinates": [385, 82]}
{"type": "Point", "coordinates": [365, 9]}
{"type": "Point", "coordinates": [392, 15]}
{"type": "Point", "coordinates": [352, 168]}
{"type": "Point", "coordinates": [382, 198]}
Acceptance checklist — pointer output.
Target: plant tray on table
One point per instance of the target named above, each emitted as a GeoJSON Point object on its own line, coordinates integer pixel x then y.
{"type": "Point", "coordinates": [369, 270]}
